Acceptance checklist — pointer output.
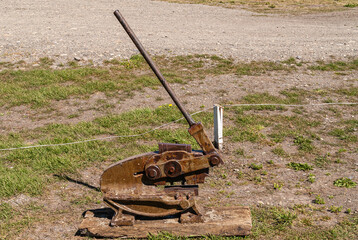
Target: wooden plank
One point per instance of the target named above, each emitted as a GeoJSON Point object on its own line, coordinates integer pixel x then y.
{"type": "Point", "coordinates": [224, 221]}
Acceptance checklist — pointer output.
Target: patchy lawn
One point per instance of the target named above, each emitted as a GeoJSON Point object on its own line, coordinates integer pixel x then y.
{"type": "Point", "coordinates": [296, 167]}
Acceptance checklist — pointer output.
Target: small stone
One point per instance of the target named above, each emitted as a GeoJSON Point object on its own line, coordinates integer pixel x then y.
{"type": "Point", "coordinates": [77, 58]}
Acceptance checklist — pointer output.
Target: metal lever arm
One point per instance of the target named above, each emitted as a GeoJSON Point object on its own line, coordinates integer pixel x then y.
{"type": "Point", "coordinates": [152, 65]}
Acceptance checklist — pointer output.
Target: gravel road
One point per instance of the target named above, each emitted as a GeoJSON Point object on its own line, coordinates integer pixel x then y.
{"type": "Point", "coordinates": [66, 29]}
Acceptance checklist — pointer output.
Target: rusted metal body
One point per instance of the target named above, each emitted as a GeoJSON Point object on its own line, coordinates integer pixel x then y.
{"type": "Point", "coordinates": [130, 187]}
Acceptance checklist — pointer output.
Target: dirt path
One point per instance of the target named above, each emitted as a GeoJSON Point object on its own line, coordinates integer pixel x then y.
{"type": "Point", "coordinates": [88, 30]}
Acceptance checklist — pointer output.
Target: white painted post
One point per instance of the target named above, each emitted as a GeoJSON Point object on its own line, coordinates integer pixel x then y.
{"type": "Point", "coordinates": [218, 126]}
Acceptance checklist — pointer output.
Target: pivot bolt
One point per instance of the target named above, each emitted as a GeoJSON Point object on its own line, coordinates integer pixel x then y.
{"type": "Point", "coordinates": [214, 160]}
{"type": "Point", "coordinates": [172, 169]}
{"type": "Point", "coordinates": [184, 204]}
{"type": "Point", "coordinates": [153, 172]}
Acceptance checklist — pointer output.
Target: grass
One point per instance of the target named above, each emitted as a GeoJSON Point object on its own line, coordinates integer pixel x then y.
{"type": "Point", "coordinates": [265, 127]}
{"type": "Point", "coordinates": [283, 218]}
{"type": "Point", "coordinates": [346, 133]}
{"type": "Point", "coordinates": [249, 127]}
{"type": "Point", "coordinates": [303, 143]}
{"type": "Point", "coordinates": [322, 161]}
{"type": "Point", "coordinates": [279, 223]}
{"type": "Point", "coordinates": [6, 212]}
{"type": "Point", "coordinates": [311, 178]}
{"type": "Point", "coordinates": [258, 68]}
{"type": "Point", "coordinates": [14, 219]}
{"type": "Point", "coordinates": [279, 151]}
{"type": "Point", "coordinates": [277, 6]}
{"type": "Point", "coordinates": [37, 87]}
{"type": "Point", "coordinates": [27, 171]}
{"type": "Point", "coordinates": [240, 152]}
{"type": "Point", "coordinates": [277, 186]}
{"type": "Point", "coordinates": [299, 166]}
{"type": "Point", "coordinates": [319, 200]}
{"type": "Point", "coordinates": [335, 65]}
{"type": "Point", "coordinates": [20, 179]}
{"type": "Point", "coordinates": [256, 166]}
{"type": "Point", "coordinates": [344, 182]}
{"type": "Point", "coordinates": [275, 223]}
{"type": "Point", "coordinates": [335, 209]}
{"type": "Point", "coordinates": [351, 5]}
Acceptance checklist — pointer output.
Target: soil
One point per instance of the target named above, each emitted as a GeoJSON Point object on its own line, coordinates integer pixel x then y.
{"type": "Point", "coordinates": [88, 31]}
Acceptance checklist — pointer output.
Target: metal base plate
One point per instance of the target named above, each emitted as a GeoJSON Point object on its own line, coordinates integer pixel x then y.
{"type": "Point", "coordinates": [223, 221]}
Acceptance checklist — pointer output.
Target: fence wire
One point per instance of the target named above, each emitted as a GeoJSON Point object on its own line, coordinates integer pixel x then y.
{"type": "Point", "coordinates": [166, 124]}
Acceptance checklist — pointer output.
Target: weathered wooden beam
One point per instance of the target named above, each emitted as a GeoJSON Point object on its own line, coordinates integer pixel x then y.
{"type": "Point", "coordinates": [223, 221]}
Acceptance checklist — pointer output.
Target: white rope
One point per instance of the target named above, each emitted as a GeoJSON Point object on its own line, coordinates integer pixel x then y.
{"type": "Point", "coordinates": [288, 105]}
{"type": "Point", "coordinates": [102, 138]}
{"type": "Point", "coordinates": [161, 126]}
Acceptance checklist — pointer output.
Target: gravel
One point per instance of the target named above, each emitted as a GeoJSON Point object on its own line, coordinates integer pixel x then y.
{"type": "Point", "coordinates": [87, 30]}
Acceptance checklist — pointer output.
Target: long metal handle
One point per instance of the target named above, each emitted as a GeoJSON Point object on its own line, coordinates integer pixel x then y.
{"type": "Point", "coordinates": [155, 69]}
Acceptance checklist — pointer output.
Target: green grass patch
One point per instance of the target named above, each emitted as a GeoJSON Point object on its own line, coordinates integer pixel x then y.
{"type": "Point", "coordinates": [277, 186]}
{"type": "Point", "coordinates": [6, 212]}
{"type": "Point", "coordinates": [322, 161]}
{"type": "Point", "coordinates": [299, 166]}
{"type": "Point", "coordinates": [335, 209]}
{"type": "Point", "coordinates": [351, 91]}
{"type": "Point", "coordinates": [14, 220]}
{"type": "Point", "coordinates": [303, 143]}
{"type": "Point", "coordinates": [18, 180]}
{"type": "Point", "coordinates": [311, 178]}
{"type": "Point", "coordinates": [256, 166]}
{"type": "Point", "coordinates": [275, 223]}
{"type": "Point", "coordinates": [37, 87]}
{"type": "Point", "coordinates": [29, 170]}
{"type": "Point", "coordinates": [279, 151]}
{"type": "Point", "coordinates": [347, 132]}
{"type": "Point", "coordinates": [335, 65]}
{"type": "Point", "coordinates": [344, 182]}
{"type": "Point", "coordinates": [351, 5]}
{"type": "Point", "coordinates": [319, 200]}
{"type": "Point", "coordinates": [289, 96]}
{"type": "Point", "coordinates": [258, 68]}
{"type": "Point", "coordinates": [249, 127]}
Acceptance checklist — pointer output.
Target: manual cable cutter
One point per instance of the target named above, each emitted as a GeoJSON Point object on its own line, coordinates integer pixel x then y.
{"type": "Point", "coordinates": [129, 186]}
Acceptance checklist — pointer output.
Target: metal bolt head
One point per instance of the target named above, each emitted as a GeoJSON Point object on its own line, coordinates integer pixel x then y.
{"type": "Point", "coordinates": [172, 169]}
{"type": "Point", "coordinates": [184, 204]}
{"type": "Point", "coordinates": [214, 160]}
{"type": "Point", "coordinates": [153, 172]}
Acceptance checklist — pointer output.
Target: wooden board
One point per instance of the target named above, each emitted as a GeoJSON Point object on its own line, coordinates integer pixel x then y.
{"type": "Point", "coordinates": [224, 221]}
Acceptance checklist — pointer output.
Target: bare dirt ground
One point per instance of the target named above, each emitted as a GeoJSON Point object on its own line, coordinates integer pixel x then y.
{"type": "Point", "coordinates": [88, 31]}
